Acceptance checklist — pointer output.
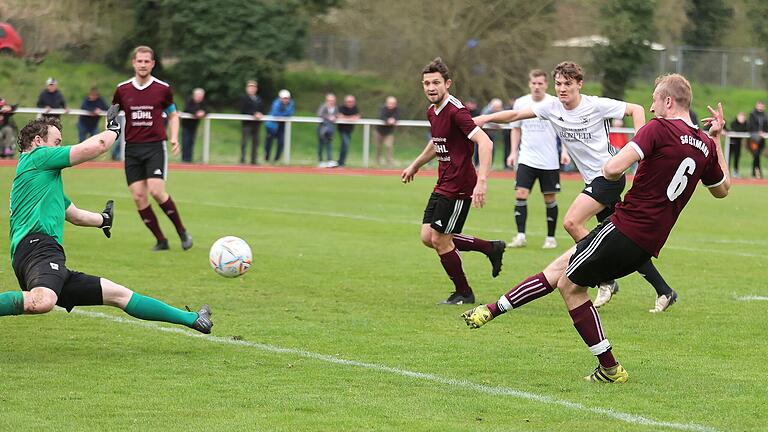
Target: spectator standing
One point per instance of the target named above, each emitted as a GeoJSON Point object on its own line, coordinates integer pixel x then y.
{"type": "Point", "coordinates": [197, 107]}
{"type": "Point", "coordinates": [758, 129]}
{"type": "Point", "coordinates": [327, 113]}
{"type": "Point", "coordinates": [385, 134]}
{"type": "Point", "coordinates": [251, 104]}
{"type": "Point", "coordinates": [7, 129]}
{"type": "Point", "coordinates": [283, 106]}
{"type": "Point", "coordinates": [739, 124]}
{"type": "Point", "coordinates": [88, 125]}
{"type": "Point", "coordinates": [347, 112]}
{"type": "Point", "coordinates": [51, 98]}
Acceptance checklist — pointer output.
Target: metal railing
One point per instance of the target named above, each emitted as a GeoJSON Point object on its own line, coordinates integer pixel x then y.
{"type": "Point", "coordinates": [366, 123]}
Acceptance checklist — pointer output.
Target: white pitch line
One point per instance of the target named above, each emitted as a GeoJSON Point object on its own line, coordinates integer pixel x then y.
{"type": "Point", "coordinates": [752, 298]}
{"type": "Point", "coordinates": [468, 385]}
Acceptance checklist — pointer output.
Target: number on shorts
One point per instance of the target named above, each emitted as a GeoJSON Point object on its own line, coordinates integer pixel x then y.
{"type": "Point", "coordinates": [680, 180]}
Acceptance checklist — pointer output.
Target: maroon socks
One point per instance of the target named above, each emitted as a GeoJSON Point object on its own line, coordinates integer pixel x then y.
{"type": "Point", "coordinates": [451, 262]}
{"type": "Point", "coordinates": [469, 243]}
{"type": "Point", "coordinates": [169, 207]}
{"type": "Point", "coordinates": [150, 220]}
{"type": "Point", "coordinates": [587, 323]}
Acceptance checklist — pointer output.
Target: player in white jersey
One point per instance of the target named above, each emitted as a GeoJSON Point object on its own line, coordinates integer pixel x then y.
{"type": "Point", "coordinates": [534, 155]}
{"type": "Point", "coordinates": [582, 122]}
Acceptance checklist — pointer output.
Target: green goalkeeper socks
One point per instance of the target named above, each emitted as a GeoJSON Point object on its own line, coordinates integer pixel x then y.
{"type": "Point", "coordinates": [11, 303]}
{"type": "Point", "coordinates": [150, 309]}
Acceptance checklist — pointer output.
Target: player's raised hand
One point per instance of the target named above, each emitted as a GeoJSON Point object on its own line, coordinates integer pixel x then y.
{"type": "Point", "coordinates": [107, 218]}
{"type": "Point", "coordinates": [716, 123]}
{"type": "Point", "coordinates": [112, 123]}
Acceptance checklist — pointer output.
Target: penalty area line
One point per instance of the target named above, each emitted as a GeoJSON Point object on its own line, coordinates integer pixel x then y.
{"type": "Point", "coordinates": [752, 298]}
{"type": "Point", "coordinates": [452, 382]}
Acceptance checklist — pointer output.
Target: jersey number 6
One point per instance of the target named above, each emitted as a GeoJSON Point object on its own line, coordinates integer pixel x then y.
{"type": "Point", "coordinates": [680, 181]}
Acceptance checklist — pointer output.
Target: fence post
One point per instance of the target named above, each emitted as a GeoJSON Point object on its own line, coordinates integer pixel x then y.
{"type": "Point", "coordinates": [366, 143]}
{"type": "Point", "coordinates": [206, 140]}
{"type": "Point", "coordinates": [287, 138]}
{"type": "Point", "coordinates": [724, 70]}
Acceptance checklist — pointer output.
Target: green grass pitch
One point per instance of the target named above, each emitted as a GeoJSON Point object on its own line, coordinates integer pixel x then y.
{"type": "Point", "coordinates": [335, 326]}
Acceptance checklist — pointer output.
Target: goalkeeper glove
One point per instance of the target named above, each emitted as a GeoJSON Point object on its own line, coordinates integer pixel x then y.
{"type": "Point", "coordinates": [108, 217]}
{"type": "Point", "coordinates": [112, 123]}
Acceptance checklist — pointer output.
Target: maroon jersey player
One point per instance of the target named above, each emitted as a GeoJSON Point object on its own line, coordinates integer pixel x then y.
{"type": "Point", "coordinates": [454, 135]}
{"type": "Point", "coordinates": [144, 98]}
{"type": "Point", "coordinates": [673, 155]}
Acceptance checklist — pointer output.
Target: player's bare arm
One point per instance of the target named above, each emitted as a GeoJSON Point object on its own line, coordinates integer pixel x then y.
{"type": "Point", "coordinates": [84, 218]}
{"type": "Point", "coordinates": [97, 144]}
{"type": "Point", "coordinates": [484, 153]}
{"type": "Point", "coordinates": [91, 148]}
{"type": "Point", "coordinates": [716, 123]}
{"type": "Point", "coordinates": [514, 146]}
{"type": "Point", "coordinates": [565, 158]}
{"type": "Point", "coordinates": [426, 155]}
{"type": "Point", "coordinates": [505, 116]}
{"type": "Point", "coordinates": [637, 112]}
{"type": "Point", "coordinates": [620, 163]}
{"type": "Point", "coordinates": [173, 122]}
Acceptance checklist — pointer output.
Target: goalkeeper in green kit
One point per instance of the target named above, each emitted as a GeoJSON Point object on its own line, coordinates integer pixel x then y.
{"type": "Point", "coordinates": [38, 209]}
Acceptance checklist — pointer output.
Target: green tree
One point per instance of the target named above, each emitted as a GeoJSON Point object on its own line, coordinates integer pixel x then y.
{"type": "Point", "coordinates": [220, 45]}
{"type": "Point", "coordinates": [706, 22]}
{"type": "Point", "coordinates": [489, 45]}
{"type": "Point", "coordinates": [628, 25]}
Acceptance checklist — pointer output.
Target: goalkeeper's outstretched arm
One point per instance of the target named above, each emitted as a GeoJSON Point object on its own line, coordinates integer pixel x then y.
{"type": "Point", "coordinates": [97, 144]}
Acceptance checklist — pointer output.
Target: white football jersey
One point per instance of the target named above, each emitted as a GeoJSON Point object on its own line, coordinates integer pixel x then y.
{"type": "Point", "coordinates": [584, 130]}
{"type": "Point", "coordinates": [538, 141]}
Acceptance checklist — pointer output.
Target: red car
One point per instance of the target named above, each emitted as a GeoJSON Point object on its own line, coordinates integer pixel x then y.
{"type": "Point", "coordinates": [10, 41]}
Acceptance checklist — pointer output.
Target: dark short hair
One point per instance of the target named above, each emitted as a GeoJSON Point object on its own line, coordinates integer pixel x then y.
{"type": "Point", "coordinates": [36, 127]}
{"type": "Point", "coordinates": [569, 70]}
{"type": "Point", "coordinates": [437, 65]}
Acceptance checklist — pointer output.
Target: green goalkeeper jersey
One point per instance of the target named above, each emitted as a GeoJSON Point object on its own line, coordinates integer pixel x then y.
{"type": "Point", "coordinates": [38, 203]}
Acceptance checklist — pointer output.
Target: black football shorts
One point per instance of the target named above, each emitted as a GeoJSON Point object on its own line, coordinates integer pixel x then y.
{"type": "Point", "coordinates": [446, 215]}
{"type": "Point", "coordinates": [549, 180]}
{"type": "Point", "coordinates": [603, 255]}
{"type": "Point", "coordinates": [145, 160]}
{"type": "Point", "coordinates": [39, 261]}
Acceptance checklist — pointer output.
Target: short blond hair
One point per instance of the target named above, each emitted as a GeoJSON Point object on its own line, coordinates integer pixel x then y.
{"type": "Point", "coordinates": [143, 49]}
{"type": "Point", "coordinates": [676, 87]}
{"type": "Point", "coordinates": [537, 73]}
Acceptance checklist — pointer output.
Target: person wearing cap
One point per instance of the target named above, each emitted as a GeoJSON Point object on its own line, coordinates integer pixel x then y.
{"type": "Point", "coordinates": [51, 98]}
{"type": "Point", "coordinates": [252, 105]}
{"type": "Point", "coordinates": [7, 129]}
{"type": "Point", "coordinates": [281, 107]}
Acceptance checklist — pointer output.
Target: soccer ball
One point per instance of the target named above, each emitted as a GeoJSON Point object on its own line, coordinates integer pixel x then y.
{"type": "Point", "coordinates": [230, 256]}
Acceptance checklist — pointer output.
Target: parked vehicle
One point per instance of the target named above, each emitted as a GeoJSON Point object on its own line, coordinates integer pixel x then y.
{"type": "Point", "coordinates": [10, 41]}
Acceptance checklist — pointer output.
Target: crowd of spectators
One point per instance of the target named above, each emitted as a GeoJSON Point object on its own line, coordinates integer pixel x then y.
{"type": "Point", "coordinates": [336, 120]}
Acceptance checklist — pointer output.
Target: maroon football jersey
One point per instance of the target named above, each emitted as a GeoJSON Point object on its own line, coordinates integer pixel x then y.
{"type": "Point", "coordinates": [452, 128]}
{"type": "Point", "coordinates": [675, 156]}
{"type": "Point", "coordinates": [143, 106]}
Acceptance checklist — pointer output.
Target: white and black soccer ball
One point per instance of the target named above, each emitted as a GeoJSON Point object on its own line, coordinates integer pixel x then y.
{"type": "Point", "coordinates": [230, 256]}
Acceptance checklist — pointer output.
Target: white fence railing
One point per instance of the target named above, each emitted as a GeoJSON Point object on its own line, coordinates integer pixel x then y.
{"type": "Point", "coordinates": [366, 123]}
